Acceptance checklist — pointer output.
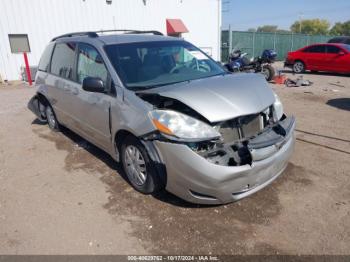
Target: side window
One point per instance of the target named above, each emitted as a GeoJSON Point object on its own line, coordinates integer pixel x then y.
{"type": "Point", "coordinates": [63, 57]}
{"type": "Point", "coordinates": [331, 49]}
{"type": "Point", "coordinates": [45, 58]}
{"type": "Point", "coordinates": [90, 63]}
{"type": "Point", "coordinates": [316, 49]}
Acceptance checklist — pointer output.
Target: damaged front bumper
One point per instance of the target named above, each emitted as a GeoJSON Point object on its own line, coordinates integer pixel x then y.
{"type": "Point", "coordinates": [37, 106]}
{"type": "Point", "coordinates": [195, 179]}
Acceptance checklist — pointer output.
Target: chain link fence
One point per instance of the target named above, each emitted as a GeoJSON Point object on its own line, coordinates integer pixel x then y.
{"type": "Point", "coordinates": [254, 43]}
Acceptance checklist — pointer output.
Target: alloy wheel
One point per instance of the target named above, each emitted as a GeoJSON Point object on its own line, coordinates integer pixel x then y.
{"type": "Point", "coordinates": [135, 165]}
{"type": "Point", "coordinates": [298, 67]}
{"type": "Point", "coordinates": [50, 116]}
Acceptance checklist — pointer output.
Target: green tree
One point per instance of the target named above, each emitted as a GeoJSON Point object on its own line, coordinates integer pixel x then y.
{"type": "Point", "coordinates": [267, 28]}
{"type": "Point", "coordinates": [251, 30]}
{"type": "Point", "coordinates": [311, 26]}
{"type": "Point", "coordinates": [282, 31]}
{"type": "Point", "coordinates": [341, 29]}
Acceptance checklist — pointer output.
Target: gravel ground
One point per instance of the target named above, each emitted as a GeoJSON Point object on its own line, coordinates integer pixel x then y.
{"type": "Point", "coordinates": [61, 195]}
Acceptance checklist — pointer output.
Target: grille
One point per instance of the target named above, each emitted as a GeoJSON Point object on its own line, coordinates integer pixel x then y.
{"type": "Point", "coordinates": [243, 127]}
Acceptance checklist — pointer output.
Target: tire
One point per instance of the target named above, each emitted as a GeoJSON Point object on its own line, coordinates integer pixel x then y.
{"type": "Point", "coordinates": [51, 118]}
{"type": "Point", "coordinates": [139, 168]}
{"type": "Point", "coordinates": [298, 67]}
{"type": "Point", "coordinates": [269, 72]}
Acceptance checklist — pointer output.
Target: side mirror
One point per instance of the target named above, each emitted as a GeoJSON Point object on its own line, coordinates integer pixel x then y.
{"type": "Point", "coordinates": [93, 84]}
{"type": "Point", "coordinates": [341, 53]}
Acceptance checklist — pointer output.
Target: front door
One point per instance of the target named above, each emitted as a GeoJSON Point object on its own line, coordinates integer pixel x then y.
{"type": "Point", "coordinates": [92, 109]}
{"type": "Point", "coordinates": [337, 59]}
{"type": "Point", "coordinates": [314, 56]}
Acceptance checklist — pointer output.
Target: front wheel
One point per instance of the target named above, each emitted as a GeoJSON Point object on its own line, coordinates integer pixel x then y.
{"type": "Point", "coordinates": [269, 72]}
{"type": "Point", "coordinates": [139, 168]}
{"type": "Point", "coordinates": [298, 67]}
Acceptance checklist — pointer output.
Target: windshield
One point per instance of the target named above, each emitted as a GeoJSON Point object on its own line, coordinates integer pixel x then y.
{"type": "Point", "coordinates": [145, 65]}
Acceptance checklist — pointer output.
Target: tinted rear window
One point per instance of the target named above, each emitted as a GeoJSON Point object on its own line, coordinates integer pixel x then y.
{"type": "Point", "coordinates": [45, 58]}
{"type": "Point", "coordinates": [316, 49]}
{"type": "Point", "coordinates": [63, 60]}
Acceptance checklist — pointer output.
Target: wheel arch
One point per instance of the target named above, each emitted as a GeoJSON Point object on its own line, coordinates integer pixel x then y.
{"type": "Point", "coordinates": [37, 105]}
{"type": "Point", "coordinates": [151, 149]}
{"type": "Point", "coordinates": [43, 99]}
{"type": "Point", "coordinates": [119, 136]}
{"type": "Point", "coordinates": [300, 60]}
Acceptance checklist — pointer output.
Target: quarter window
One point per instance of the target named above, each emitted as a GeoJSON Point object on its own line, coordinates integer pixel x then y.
{"type": "Point", "coordinates": [63, 60]}
{"type": "Point", "coordinates": [90, 64]}
{"type": "Point", "coordinates": [45, 58]}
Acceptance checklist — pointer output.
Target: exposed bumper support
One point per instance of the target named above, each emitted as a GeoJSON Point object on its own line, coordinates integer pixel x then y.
{"type": "Point", "coordinates": [270, 141]}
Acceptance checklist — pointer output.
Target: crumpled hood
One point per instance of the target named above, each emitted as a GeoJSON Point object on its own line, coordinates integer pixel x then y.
{"type": "Point", "coordinates": [224, 97]}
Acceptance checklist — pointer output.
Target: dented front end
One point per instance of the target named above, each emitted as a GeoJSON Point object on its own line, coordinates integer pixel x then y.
{"type": "Point", "coordinates": [244, 139]}
{"type": "Point", "coordinates": [216, 172]}
{"type": "Point", "coordinates": [250, 153]}
{"type": "Point", "coordinates": [248, 139]}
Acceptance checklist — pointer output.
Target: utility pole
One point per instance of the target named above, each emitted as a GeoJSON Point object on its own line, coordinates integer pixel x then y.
{"type": "Point", "coordinates": [300, 21]}
{"type": "Point", "coordinates": [219, 30]}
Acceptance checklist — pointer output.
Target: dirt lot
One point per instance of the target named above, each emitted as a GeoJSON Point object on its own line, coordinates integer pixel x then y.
{"type": "Point", "coordinates": [61, 195]}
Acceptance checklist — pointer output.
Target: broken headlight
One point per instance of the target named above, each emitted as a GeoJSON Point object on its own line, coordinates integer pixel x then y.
{"type": "Point", "coordinates": [175, 125]}
{"type": "Point", "coordinates": [278, 108]}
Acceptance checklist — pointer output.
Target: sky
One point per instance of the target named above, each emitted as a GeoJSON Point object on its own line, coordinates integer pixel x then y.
{"type": "Point", "coordinates": [242, 15]}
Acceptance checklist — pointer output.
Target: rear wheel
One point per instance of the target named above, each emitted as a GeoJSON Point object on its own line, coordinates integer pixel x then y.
{"type": "Point", "coordinates": [139, 168]}
{"type": "Point", "coordinates": [269, 72]}
{"type": "Point", "coordinates": [51, 118]}
{"type": "Point", "coordinates": [298, 67]}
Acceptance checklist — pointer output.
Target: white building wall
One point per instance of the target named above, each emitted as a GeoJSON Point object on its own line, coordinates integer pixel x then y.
{"type": "Point", "coordinates": [44, 19]}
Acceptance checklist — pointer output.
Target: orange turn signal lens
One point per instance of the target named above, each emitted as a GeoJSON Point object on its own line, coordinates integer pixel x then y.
{"type": "Point", "coordinates": [162, 128]}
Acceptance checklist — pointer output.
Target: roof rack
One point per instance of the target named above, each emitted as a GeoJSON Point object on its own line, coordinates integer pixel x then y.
{"type": "Point", "coordinates": [95, 33]}
{"type": "Point", "coordinates": [131, 31]}
{"type": "Point", "coordinates": [90, 34]}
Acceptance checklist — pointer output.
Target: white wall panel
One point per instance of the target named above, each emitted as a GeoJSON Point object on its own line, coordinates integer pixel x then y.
{"type": "Point", "coordinates": [44, 19]}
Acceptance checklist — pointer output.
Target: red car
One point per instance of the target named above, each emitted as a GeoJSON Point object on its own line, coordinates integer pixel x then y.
{"type": "Point", "coordinates": [320, 57]}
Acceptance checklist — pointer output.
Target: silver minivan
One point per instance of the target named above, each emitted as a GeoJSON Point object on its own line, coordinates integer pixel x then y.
{"type": "Point", "coordinates": [173, 117]}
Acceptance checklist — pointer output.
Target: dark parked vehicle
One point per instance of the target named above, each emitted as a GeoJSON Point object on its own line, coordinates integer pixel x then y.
{"type": "Point", "coordinates": [340, 40]}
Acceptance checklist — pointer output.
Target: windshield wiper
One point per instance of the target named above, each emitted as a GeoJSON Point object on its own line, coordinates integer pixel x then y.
{"type": "Point", "coordinates": [140, 88]}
